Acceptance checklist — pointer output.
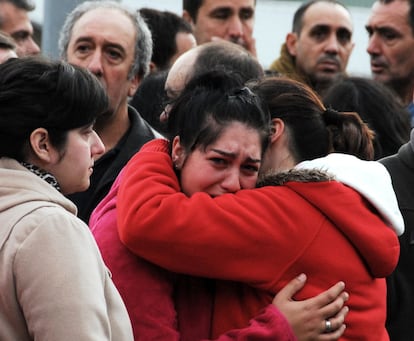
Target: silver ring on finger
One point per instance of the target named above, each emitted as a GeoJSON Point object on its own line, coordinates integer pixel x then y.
{"type": "Point", "coordinates": [328, 326]}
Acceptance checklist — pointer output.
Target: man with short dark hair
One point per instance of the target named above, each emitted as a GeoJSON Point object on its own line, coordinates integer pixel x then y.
{"type": "Point", "coordinates": [14, 20]}
{"type": "Point", "coordinates": [231, 20]}
{"type": "Point", "coordinates": [317, 50]}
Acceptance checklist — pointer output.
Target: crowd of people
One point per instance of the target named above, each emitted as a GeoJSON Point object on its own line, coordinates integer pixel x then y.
{"type": "Point", "coordinates": [159, 184]}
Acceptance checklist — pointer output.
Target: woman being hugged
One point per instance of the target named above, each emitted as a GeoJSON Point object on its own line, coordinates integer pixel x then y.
{"type": "Point", "coordinates": [53, 283]}
{"type": "Point", "coordinates": [219, 130]}
{"type": "Point", "coordinates": [331, 216]}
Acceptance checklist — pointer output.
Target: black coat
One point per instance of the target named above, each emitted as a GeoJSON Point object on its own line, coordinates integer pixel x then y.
{"type": "Point", "coordinates": [400, 312]}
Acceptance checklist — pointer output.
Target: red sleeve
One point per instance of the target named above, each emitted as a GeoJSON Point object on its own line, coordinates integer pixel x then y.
{"type": "Point", "coordinates": [146, 289]}
{"type": "Point", "coordinates": [200, 235]}
{"type": "Point", "coordinates": [269, 325]}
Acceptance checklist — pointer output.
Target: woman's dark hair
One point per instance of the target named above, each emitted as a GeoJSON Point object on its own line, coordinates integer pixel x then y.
{"type": "Point", "coordinates": [314, 131]}
{"type": "Point", "coordinates": [378, 106]}
{"type": "Point", "coordinates": [208, 104]}
{"type": "Point", "coordinates": [39, 93]}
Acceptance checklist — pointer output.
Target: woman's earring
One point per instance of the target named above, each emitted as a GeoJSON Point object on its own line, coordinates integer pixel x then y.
{"type": "Point", "coordinates": [175, 159]}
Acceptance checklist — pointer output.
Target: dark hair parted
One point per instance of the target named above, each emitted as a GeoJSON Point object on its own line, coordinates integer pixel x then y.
{"type": "Point", "coordinates": [211, 102]}
{"type": "Point", "coordinates": [378, 106]}
{"type": "Point", "coordinates": [39, 93]}
{"type": "Point", "coordinates": [297, 24]}
{"type": "Point", "coordinates": [164, 27]}
{"type": "Point", "coordinates": [313, 131]}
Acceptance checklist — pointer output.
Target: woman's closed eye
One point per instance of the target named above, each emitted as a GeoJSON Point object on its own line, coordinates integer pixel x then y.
{"type": "Point", "coordinates": [251, 168]}
{"type": "Point", "coordinates": [219, 161]}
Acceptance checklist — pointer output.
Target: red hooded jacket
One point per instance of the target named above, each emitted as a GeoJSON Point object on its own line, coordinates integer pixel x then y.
{"type": "Point", "coordinates": [263, 237]}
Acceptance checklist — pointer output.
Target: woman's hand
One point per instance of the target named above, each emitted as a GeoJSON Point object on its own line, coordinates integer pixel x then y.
{"type": "Point", "coordinates": [318, 318]}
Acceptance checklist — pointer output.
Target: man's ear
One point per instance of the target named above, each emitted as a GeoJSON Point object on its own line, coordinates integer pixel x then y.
{"type": "Point", "coordinates": [153, 67]}
{"type": "Point", "coordinates": [291, 40]}
{"type": "Point", "coordinates": [135, 82]}
{"type": "Point", "coordinates": [177, 153]}
{"type": "Point", "coordinates": [277, 129]}
{"type": "Point", "coordinates": [41, 146]}
{"type": "Point", "coordinates": [187, 17]}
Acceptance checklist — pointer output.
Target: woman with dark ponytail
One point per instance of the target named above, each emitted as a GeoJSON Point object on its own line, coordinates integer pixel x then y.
{"type": "Point", "coordinates": [314, 130]}
{"type": "Point", "coordinates": [349, 134]}
{"type": "Point", "coordinates": [320, 210]}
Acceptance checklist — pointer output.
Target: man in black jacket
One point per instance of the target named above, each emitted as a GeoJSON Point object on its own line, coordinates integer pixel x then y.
{"type": "Point", "coordinates": [400, 284]}
{"type": "Point", "coordinates": [115, 44]}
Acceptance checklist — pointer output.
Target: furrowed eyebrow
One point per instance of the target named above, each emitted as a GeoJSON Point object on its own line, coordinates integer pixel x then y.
{"type": "Point", "coordinates": [234, 155]}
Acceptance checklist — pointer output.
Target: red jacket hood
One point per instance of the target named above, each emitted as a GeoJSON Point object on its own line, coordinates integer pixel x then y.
{"type": "Point", "coordinates": [379, 247]}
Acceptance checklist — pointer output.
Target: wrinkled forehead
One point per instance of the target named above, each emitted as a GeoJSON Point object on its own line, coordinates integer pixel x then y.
{"type": "Point", "coordinates": [389, 14]}
{"type": "Point", "coordinates": [108, 22]}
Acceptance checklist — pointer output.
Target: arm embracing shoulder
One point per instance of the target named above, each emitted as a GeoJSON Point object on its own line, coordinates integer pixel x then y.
{"type": "Point", "coordinates": [200, 235]}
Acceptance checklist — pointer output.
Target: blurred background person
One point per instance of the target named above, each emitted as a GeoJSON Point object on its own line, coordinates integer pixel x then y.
{"type": "Point", "coordinates": [400, 285]}
{"type": "Point", "coordinates": [378, 106]}
{"type": "Point", "coordinates": [15, 21]}
{"type": "Point", "coordinates": [150, 99]}
{"type": "Point", "coordinates": [318, 49]}
{"type": "Point", "coordinates": [214, 19]}
{"type": "Point", "coordinates": [171, 37]}
{"type": "Point", "coordinates": [391, 47]}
